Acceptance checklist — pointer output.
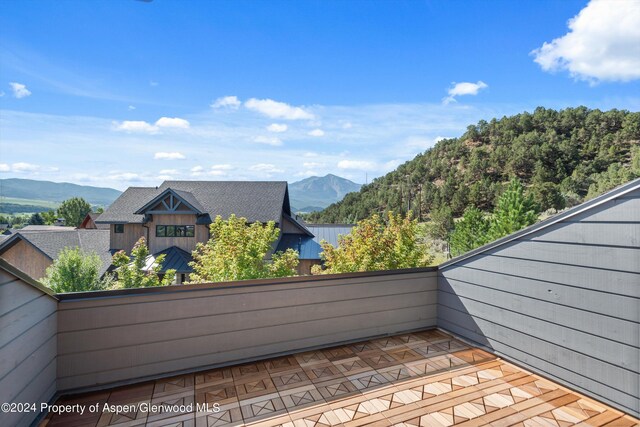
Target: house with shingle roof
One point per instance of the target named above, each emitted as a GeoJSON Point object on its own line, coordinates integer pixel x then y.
{"type": "Point", "coordinates": [175, 216]}
{"type": "Point", "coordinates": [33, 250]}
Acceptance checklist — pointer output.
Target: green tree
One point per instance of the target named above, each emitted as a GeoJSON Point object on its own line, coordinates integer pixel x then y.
{"type": "Point", "coordinates": [36, 219]}
{"type": "Point", "coordinates": [74, 211]}
{"type": "Point", "coordinates": [49, 217]}
{"type": "Point", "coordinates": [441, 223]}
{"type": "Point", "coordinates": [238, 251]}
{"type": "Point", "coordinates": [74, 271]}
{"type": "Point", "coordinates": [470, 232]}
{"type": "Point", "coordinates": [375, 244]}
{"type": "Point", "coordinates": [514, 211]}
{"type": "Point", "coordinates": [130, 271]}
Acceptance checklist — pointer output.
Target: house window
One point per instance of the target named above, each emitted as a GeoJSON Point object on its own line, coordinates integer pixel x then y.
{"type": "Point", "coordinates": [118, 228]}
{"type": "Point", "coordinates": [175, 230]}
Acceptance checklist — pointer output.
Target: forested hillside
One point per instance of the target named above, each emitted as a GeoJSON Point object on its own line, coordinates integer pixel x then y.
{"type": "Point", "coordinates": [562, 158]}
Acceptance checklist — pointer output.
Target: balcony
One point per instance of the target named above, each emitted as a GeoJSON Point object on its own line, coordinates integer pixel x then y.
{"type": "Point", "coordinates": [539, 328]}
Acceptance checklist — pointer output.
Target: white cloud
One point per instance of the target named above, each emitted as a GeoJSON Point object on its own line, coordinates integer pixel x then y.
{"type": "Point", "coordinates": [153, 83]}
{"type": "Point", "coordinates": [1, 93]}
{"type": "Point", "coordinates": [172, 122]}
{"type": "Point", "coordinates": [165, 177]}
{"type": "Point", "coordinates": [23, 167]}
{"type": "Point", "coordinates": [131, 107]}
{"type": "Point", "coordinates": [216, 173]}
{"type": "Point", "coordinates": [356, 164]}
{"type": "Point", "coordinates": [265, 167]}
{"type": "Point", "coordinates": [135, 126]}
{"type": "Point", "coordinates": [197, 169]}
{"type": "Point", "coordinates": [464, 88]}
{"type": "Point", "coordinates": [277, 128]}
{"type": "Point", "coordinates": [222, 167]}
{"type": "Point", "coordinates": [19, 90]}
{"type": "Point", "coordinates": [347, 125]}
{"type": "Point", "coordinates": [140, 126]}
{"type": "Point", "coordinates": [169, 156]}
{"type": "Point", "coordinates": [277, 110]}
{"type": "Point", "coordinates": [226, 102]}
{"type": "Point", "coordinates": [310, 154]}
{"type": "Point", "coordinates": [603, 43]}
{"type": "Point", "coordinates": [269, 140]}
{"type": "Point", "coordinates": [316, 132]}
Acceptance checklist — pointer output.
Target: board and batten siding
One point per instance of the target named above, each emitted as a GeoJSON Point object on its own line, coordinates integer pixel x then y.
{"type": "Point", "coordinates": [28, 346]}
{"type": "Point", "coordinates": [130, 337]}
{"type": "Point", "coordinates": [563, 300]}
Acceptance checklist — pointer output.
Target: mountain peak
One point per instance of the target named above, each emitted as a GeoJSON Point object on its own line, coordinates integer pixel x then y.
{"type": "Point", "coordinates": [319, 191]}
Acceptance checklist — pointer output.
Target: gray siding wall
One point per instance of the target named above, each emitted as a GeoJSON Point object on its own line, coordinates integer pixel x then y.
{"type": "Point", "coordinates": [564, 301]}
{"type": "Point", "coordinates": [27, 347]}
{"type": "Point", "coordinates": [109, 340]}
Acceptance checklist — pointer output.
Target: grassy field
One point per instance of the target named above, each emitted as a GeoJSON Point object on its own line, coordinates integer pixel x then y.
{"type": "Point", "coordinates": [29, 202]}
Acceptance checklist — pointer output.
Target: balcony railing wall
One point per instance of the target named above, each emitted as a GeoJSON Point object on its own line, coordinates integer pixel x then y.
{"type": "Point", "coordinates": [124, 336]}
{"type": "Point", "coordinates": [564, 301]}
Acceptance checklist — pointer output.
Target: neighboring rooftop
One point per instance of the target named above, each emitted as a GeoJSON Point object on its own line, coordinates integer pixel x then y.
{"type": "Point", "coordinates": [309, 247]}
{"type": "Point", "coordinates": [52, 242]}
{"type": "Point", "coordinates": [258, 201]}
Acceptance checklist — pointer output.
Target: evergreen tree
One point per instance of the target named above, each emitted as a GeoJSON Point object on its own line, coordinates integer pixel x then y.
{"type": "Point", "coordinates": [514, 211]}
{"type": "Point", "coordinates": [470, 232]}
{"type": "Point", "coordinates": [36, 219]}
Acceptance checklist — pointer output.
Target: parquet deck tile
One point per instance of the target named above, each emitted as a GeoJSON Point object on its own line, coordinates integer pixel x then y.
{"type": "Point", "coordinates": [420, 379]}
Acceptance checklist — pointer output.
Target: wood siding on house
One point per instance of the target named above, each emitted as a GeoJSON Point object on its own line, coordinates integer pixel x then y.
{"type": "Point", "coordinates": [28, 347]}
{"type": "Point", "coordinates": [156, 244]}
{"type": "Point", "coordinates": [27, 258]}
{"type": "Point", "coordinates": [107, 340]}
{"type": "Point", "coordinates": [125, 241]}
{"type": "Point", "coordinates": [563, 300]}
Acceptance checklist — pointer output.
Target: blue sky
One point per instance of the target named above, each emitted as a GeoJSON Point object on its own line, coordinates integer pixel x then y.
{"type": "Point", "coordinates": [131, 93]}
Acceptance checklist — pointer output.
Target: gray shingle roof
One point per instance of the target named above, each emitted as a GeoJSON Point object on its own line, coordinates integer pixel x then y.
{"type": "Point", "coordinates": [258, 201]}
{"type": "Point", "coordinates": [52, 243]}
{"type": "Point", "coordinates": [123, 208]}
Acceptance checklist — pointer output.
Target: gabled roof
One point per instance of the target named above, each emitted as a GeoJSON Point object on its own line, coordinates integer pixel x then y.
{"type": "Point", "coordinates": [184, 197]}
{"type": "Point", "coordinates": [52, 243]}
{"type": "Point", "coordinates": [617, 192]}
{"type": "Point", "coordinates": [258, 201]}
{"type": "Point", "coordinates": [175, 259]}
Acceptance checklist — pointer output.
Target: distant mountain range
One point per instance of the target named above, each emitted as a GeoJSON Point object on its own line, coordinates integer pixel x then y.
{"type": "Point", "coordinates": [317, 192]}
{"type": "Point", "coordinates": [53, 192]}
{"type": "Point", "coordinates": [29, 195]}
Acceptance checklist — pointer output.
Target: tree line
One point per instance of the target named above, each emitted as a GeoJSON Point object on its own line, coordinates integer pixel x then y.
{"type": "Point", "coordinates": [561, 157]}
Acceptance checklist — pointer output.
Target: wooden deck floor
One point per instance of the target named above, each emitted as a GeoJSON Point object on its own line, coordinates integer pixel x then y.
{"type": "Point", "coordinates": [421, 379]}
